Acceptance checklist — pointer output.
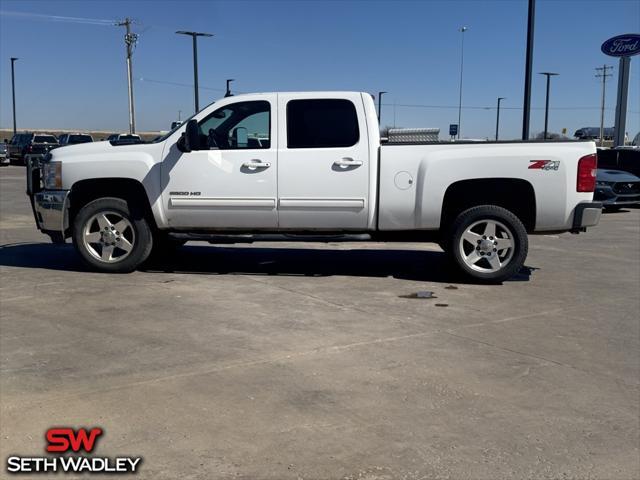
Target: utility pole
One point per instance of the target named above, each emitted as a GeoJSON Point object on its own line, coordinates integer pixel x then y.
{"type": "Point", "coordinates": [498, 117]}
{"type": "Point", "coordinates": [546, 108]}
{"type": "Point", "coordinates": [13, 92]}
{"type": "Point", "coordinates": [130, 40]}
{"type": "Point", "coordinates": [602, 73]}
{"type": "Point", "coordinates": [526, 109]}
{"type": "Point", "coordinates": [194, 36]}
{"type": "Point", "coordinates": [228, 92]}
{"type": "Point", "coordinates": [462, 30]}
{"type": "Point", "coordinates": [380, 105]}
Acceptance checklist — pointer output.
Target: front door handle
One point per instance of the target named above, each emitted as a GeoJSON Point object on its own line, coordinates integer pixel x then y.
{"type": "Point", "coordinates": [253, 164]}
{"type": "Point", "coordinates": [348, 162]}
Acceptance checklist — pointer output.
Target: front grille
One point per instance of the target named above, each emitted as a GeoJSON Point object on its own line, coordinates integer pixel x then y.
{"type": "Point", "coordinates": [626, 187]}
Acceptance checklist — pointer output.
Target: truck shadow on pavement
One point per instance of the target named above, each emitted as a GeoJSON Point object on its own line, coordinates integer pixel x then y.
{"type": "Point", "coordinates": [422, 265]}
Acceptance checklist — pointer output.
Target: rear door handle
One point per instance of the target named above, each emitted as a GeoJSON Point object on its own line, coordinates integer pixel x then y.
{"type": "Point", "coordinates": [348, 162]}
{"type": "Point", "coordinates": [253, 164]}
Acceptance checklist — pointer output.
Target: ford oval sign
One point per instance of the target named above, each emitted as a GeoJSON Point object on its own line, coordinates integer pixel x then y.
{"type": "Point", "coordinates": [622, 45]}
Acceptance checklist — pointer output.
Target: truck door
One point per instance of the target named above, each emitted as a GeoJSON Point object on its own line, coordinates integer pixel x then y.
{"type": "Point", "coordinates": [323, 162]}
{"type": "Point", "coordinates": [230, 181]}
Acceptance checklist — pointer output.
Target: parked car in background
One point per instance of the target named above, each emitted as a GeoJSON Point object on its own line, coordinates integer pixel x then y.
{"type": "Point", "coordinates": [25, 146]}
{"type": "Point", "coordinates": [616, 189]}
{"type": "Point", "coordinates": [4, 156]}
{"type": "Point", "coordinates": [124, 138]}
{"type": "Point", "coordinates": [39, 146]}
{"type": "Point", "coordinates": [624, 159]}
{"type": "Point", "coordinates": [74, 138]}
{"type": "Point", "coordinates": [593, 133]}
{"type": "Point", "coordinates": [16, 147]}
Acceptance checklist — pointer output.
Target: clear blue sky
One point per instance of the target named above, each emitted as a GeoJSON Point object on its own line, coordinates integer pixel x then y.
{"type": "Point", "coordinates": [72, 74]}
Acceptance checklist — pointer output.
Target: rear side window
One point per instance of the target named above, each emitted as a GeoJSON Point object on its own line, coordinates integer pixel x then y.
{"type": "Point", "coordinates": [321, 123]}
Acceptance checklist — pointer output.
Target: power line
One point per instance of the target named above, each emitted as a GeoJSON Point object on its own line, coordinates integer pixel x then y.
{"type": "Point", "coordinates": [407, 105]}
{"type": "Point", "coordinates": [56, 18]}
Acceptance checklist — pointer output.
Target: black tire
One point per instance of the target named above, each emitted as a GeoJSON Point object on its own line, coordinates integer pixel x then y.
{"type": "Point", "coordinates": [507, 225]}
{"type": "Point", "coordinates": [138, 230]}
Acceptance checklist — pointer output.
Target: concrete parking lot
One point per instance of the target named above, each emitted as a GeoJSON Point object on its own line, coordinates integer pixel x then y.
{"type": "Point", "coordinates": [286, 360]}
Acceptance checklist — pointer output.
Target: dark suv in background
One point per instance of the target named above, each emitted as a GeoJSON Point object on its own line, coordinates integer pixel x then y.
{"type": "Point", "coordinates": [30, 145]}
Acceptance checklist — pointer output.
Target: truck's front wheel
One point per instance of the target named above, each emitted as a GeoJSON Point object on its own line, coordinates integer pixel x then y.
{"type": "Point", "coordinates": [488, 243]}
{"type": "Point", "coordinates": [112, 237]}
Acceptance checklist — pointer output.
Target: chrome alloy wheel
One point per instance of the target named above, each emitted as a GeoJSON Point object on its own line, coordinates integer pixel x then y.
{"type": "Point", "coordinates": [486, 246]}
{"type": "Point", "coordinates": [108, 236]}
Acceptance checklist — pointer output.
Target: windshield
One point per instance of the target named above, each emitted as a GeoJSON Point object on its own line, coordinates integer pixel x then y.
{"type": "Point", "coordinates": [79, 139]}
{"type": "Point", "coordinates": [45, 139]}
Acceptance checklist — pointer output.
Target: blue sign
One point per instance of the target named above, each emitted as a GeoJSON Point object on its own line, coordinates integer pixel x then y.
{"type": "Point", "coordinates": [622, 45]}
{"type": "Point", "coordinates": [453, 129]}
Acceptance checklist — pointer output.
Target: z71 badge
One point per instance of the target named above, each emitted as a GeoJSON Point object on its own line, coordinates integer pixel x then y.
{"type": "Point", "coordinates": [544, 164]}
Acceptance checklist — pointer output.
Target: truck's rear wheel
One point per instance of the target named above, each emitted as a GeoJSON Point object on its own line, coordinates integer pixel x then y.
{"type": "Point", "coordinates": [488, 243]}
{"type": "Point", "coordinates": [112, 237]}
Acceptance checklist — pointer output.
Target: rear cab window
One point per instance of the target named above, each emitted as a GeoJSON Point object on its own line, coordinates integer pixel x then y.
{"type": "Point", "coordinates": [79, 139]}
{"type": "Point", "coordinates": [322, 123]}
{"type": "Point", "coordinates": [45, 139]}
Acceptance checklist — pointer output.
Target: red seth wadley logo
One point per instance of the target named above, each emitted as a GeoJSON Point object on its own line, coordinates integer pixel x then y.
{"type": "Point", "coordinates": [69, 449]}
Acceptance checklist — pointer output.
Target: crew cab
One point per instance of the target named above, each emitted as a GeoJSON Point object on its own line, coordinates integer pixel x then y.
{"type": "Point", "coordinates": [311, 164]}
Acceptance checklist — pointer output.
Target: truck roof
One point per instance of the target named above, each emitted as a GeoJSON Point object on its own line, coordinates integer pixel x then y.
{"type": "Point", "coordinates": [318, 92]}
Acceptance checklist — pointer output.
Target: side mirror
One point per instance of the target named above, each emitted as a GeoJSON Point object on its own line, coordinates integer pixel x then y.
{"type": "Point", "coordinates": [190, 139]}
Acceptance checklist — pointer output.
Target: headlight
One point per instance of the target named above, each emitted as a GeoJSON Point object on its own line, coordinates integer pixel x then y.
{"type": "Point", "coordinates": [604, 184]}
{"type": "Point", "coordinates": [52, 175]}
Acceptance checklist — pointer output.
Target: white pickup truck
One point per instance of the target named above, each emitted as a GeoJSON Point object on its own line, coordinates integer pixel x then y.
{"type": "Point", "coordinates": [311, 164]}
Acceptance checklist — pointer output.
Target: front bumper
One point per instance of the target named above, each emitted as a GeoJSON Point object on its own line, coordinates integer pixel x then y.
{"type": "Point", "coordinates": [586, 214]}
{"type": "Point", "coordinates": [52, 210]}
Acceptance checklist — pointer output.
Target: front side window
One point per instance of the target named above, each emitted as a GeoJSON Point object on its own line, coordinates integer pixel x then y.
{"type": "Point", "coordinates": [242, 125]}
{"type": "Point", "coordinates": [321, 123]}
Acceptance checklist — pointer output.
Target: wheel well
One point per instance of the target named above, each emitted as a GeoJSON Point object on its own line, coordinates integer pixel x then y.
{"type": "Point", "coordinates": [86, 191]}
{"type": "Point", "coordinates": [514, 194]}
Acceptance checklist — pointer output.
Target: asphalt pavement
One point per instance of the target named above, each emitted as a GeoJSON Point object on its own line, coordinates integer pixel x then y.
{"type": "Point", "coordinates": [314, 361]}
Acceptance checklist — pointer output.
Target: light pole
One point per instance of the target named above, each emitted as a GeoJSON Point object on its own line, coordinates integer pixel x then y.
{"type": "Point", "coordinates": [602, 73]}
{"type": "Point", "coordinates": [194, 36]}
{"type": "Point", "coordinates": [546, 108]}
{"type": "Point", "coordinates": [130, 40]}
{"type": "Point", "coordinates": [13, 92]}
{"type": "Point", "coordinates": [498, 117]}
{"type": "Point", "coordinates": [526, 109]}
{"type": "Point", "coordinates": [380, 105]}
{"type": "Point", "coordinates": [228, 92]}
{"type": "Point", "coordinates": [462, 30]}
